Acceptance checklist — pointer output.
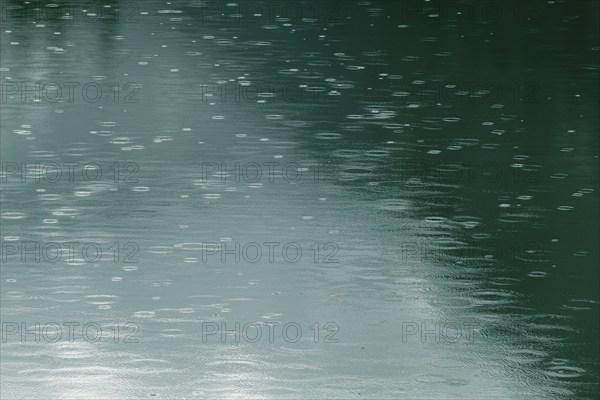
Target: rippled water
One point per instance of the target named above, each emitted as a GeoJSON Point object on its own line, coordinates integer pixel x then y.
{"type": "Point", "coordinates": [432, 177]}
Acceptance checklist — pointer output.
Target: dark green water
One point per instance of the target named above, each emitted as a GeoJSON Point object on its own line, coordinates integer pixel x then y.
{"type": "Point", "coordinates": [438, 172]}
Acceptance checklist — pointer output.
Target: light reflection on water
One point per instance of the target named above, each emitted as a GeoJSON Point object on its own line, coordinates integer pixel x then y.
{"type": "Point", "coordinates": [450, 206]}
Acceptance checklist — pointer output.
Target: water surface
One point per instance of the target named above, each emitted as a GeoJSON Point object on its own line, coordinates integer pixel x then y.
{"type": "Point", "coordinates": [444, 165]}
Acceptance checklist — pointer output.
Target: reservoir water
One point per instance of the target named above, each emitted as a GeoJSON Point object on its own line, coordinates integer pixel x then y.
{"type": "Point", "coordinates": [299, 199]}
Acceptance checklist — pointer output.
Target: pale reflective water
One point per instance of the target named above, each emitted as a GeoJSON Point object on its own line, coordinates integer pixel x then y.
{"type": "Point", "coordinates": [437, 171]}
